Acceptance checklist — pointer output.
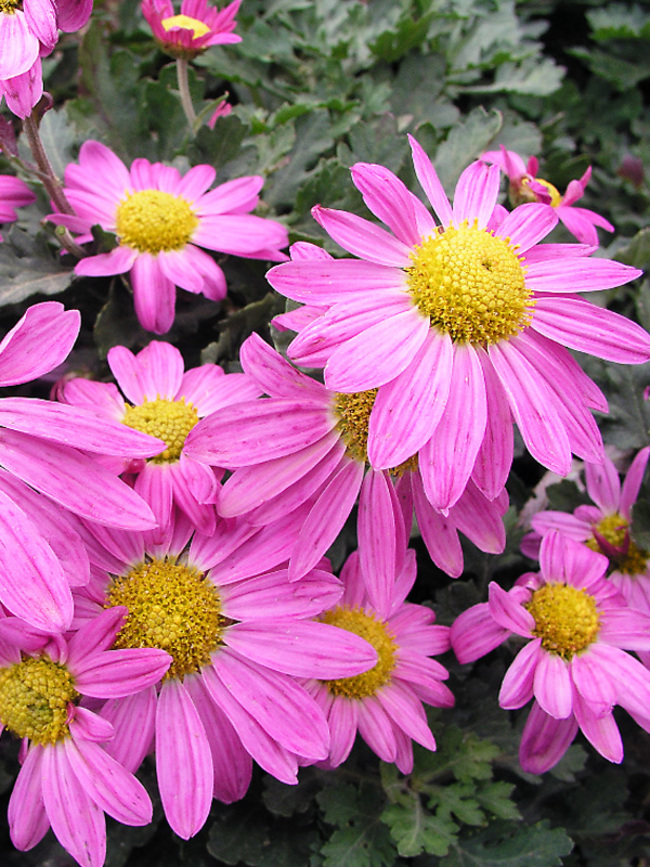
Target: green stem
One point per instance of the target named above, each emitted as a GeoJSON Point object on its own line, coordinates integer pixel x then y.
{"type": "Point", "coordinates": [184, 90]}
{"type": "Point", "coordinates": [51, 183]}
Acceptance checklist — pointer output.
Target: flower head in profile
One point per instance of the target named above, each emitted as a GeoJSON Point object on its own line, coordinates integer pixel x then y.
{"type": "Point", "coordinates": [162, 220]}
{"type": "Point", "coordinates": [574, 664]}
{"type": "Point", "coordinates": [606, 527]}
{"type": "Point", "coordinates": [165, 401]}
{"type": "Point", "coordinates": [305, 448]}
{"type": "Point", "coordinates": [239, 634]}
{"type": "Point", "coordinates": [525, 186]}
{"type": "Point", "coordinates": [384, 704]}
{"type": "Point", "coordinates": [196, 28]}
{"type": "Point", "coordinates": [461, 326]}
{"type": "Point", "coordinates": [68, 780]}
{"type": "Point", "coordinates": [14, 193]}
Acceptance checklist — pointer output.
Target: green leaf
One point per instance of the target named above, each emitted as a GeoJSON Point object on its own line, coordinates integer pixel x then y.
{"type": "Point", "coordinates": [504, 844]}
{"type": "Point", "coordinates": [28, 267]}
{"type": "Point", "coordinates": [465, 142]}
{"type": "Point", "coordinates": [59, 139]}
{"type": "Point", "coordinates": [362, 840]}
{"type": "Point", "coordinates": [416, 831]}
{"type": "Point", "coordinates": [619, 21]}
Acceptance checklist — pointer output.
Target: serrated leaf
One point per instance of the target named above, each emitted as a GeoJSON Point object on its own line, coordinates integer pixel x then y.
{"type": "Point", "coordinates": [464, 143]}
{"type": "Point", "coordinates": [59, 139]}
{"type": "Point", "coordinates": [496, 798]}
{"type": "Point", "coordinates": [28, 267]}
{"type": "Point", "coordinates": [415, 830]}
{"type": "Point", "coordinates": [504, 844]}
{"type": "Point", "coordinates": [361, 845]}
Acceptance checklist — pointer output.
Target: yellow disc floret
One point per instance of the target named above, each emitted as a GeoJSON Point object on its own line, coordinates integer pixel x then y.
{"type": "Point", "coordinates": [35, 696]}
{"type": "Point", "coordinates": [566, 618]}
{"type": "Point", "coordinates": [173, 607]}
{"type": "Point", "coordinates": [169, 420]}
{"type": "Point", "coordinates": [376, 633]}
{"type": "Point", "coordinates": [151, 221]}
{"type": "Point", "coordinates": [525, 194]}
{"type": "Point", "coordinates": [470, 285]}
{"type": "Point", "coordinates": [198, 28]}
{"type": "Point", "coordinates": [614, 541]}
{"type": "Point", "coordinates": [9, 7]}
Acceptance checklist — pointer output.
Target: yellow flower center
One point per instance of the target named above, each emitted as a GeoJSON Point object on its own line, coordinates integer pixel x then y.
{"type": "Point", "coordinates": [169, 420]}
{"type": "Point", "coordinates": [471, 285]}
{"type": "Point", "coordinates": [353, 413]}
{"type": "Point", "coordinates": [376, 633]}
{"type": "Point", "coordinates": [9, 7]}
{"type": "Point", "coordinates": [615, 543]}
{"type": "Point", "coordinates": [198, 28]}
{"type": "Point", "coordinates": [35, 695]}
{"type": "Point", "coordinates": [151, 221]}
{"type": "Point", "coordinates": [566, 619]}
{"type": "Point", "coordinates": [529, 195]}
{"type": "Point", "coordinates": [173, 607]}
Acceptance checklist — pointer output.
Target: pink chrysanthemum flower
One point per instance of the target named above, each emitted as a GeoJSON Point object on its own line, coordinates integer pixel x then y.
{"type": "Point", "coordinates": [198, 26]}
{"type": "Point", "coordinates": [165, 401]}
{"type": "Point", "coordinates": [605, 527]}
{"type": "Point", "coordinates": [14, 193]}
{"type": "Point", "coordinates": [67, 780]}
{"type": "Point", "coordinates": [525, 186]}
{"type": "Point", "coordinates": [162, 220]}
{"type": "Point", "coordinates": [28, 29]}
{"type": "Point", "coordinates": [384, 704]}
{"type": "Point", "coordinates": [306, 445]}
{"type": "Point", "coordinates": [460, 327]}
{"type": "Point", "coordinates": [44, 446]}
{"type": "Point", "coordinates": [574, 665]}
{"type": "Point", "coordinates": [239, 633]}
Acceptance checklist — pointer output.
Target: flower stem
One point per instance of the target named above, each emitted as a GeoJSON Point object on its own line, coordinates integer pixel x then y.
{"type": "Point", "coordinates": [50, 181]}
{"type": "Point", "coordinates": [184, 89]}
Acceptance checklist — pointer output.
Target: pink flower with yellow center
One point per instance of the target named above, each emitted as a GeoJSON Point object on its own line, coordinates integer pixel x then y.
{"type": "Point", "coordinates": [461, 327]}
{"type": "Point", "coordinates": [305, 448]}
{"type": "Point", "coordinates": [606, 527]}
{"type": "Point", "coordinates": [14, 193]}
{"type": "Point", "coordinates": [162, 220]}
{"type": "Point", "coordinates": [384, 704]}
{"type": "Point", "coordinates": [196, 28]}
{"type": "Point", "coordinates": [166, 402]}
{"type": "Point", "coordinates": [574, 663]}
{"type": "Point", "coordinates": [525, 186]}
{"type": "Point", "coordinates": [68, 780]}
{"type": "Point", "coordinates": [239, 634]}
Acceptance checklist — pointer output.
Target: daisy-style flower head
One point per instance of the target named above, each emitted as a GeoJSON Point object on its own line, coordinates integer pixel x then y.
{"type": "Point", "coordinates": [384, 704]}
{"type": "Point", "coordinates": [165, 401]}
{"type": "Point", "coordinates": [461, 327]}
{"type": "Point", "coordinates": [305, 448]}
{"type": "Point", "coordinates": [574, 665]}
{"type": "Point", "coordinates": [14, 193]}
{"type": "Point", "coordinates": [67, 780]}
{"type": "Point", "coordinates": [525, 186]}
{"type": "Point", "coordinates": [606, 527]}
{"type": "Point", "coordinates": [162, 220]}
{"type": "Point", "coordinates": [196, 28]}
{"type": "Point", "coordinates": [239, 633]}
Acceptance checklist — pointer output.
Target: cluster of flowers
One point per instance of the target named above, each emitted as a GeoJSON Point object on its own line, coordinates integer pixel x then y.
{"type": "Point", "coordinates": [165, 587]}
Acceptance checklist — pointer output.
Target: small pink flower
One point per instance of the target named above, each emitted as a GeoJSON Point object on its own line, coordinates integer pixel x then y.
{"type": "Point", "coordinates": [198, 26]}
{"type": "Point", "coordinates": [525, 186]}
{"type": "Point", "coordinates": [606, 527]}
{"type": "Point", "coordinates": [239, 633]}
{"type": "Point", "coordinates": [384, 704]}
{"type": "Point", "coordinates": [222, 110]}
{"type": "Point", "coordinates": [461, 327]}
{"type": "Point", "coordinates": [574, 664]}
{"type": "Point", "coordinates": [67, 780]}
{"type": "Point", "coordinates": [14, 193]}
{"type": "Point", "coordinates": [165, 401]}
{"type": "Point", "coordinates": [162, 221]}
{"type": "Point", "coordinates": [304, 447]}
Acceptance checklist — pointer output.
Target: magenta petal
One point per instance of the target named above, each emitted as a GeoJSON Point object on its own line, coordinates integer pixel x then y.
{"type": "Point", "coordinates": [272, 596]}
{"type": "Point", "coordinates": [601, 731]}
{"type": "Point", "coordinates": [426, 175]}
{"type": "Point", "coordinates": [156, 371]}
{"type": "Point", "coordinates": [406, 711]}
{"type": "Point", "coordinates": [517, 687]}
{"type": "Point", "coordinates": [88, 726]}
{"type": "Point", "coordinates": [376, 523]}
{"type": "Point", "coordinates": [508, 612]}
{"type": "Point", "coordinates": [480, 520]}
{"type": "Point", "coordinates": [28, 820]}
{"type": "Point", "coordinates": [564, 561]}
{"type": "Point", "coordinates": [438, 532]}
{"type": "Point", "coordinates": [342, 719]}
{"type": "Point", "coordinates": [447, 459]}
{"type": "Point", "coordinates": [593, 682]}
{"type": "Point", "coordinates": [475, 633]}
{"type": "Point", "coordinates": [362, 238]}
{"type": "Point", "coordinates": [626, 628]}
{"type": "Point", "coordinates": [274, 374]}
{"type": "Point", "coordinates": [183, 761]}
{"type": "Point", "coordinates": [133, 719]}
{"type": "Point", "coordinates": [476, 194]}
{"type": "Point", "coordinates": [544, 740]}
{"type": "Point", "coordinates": [32, 583]}
{"type": "Point", "coordinates": [604, 485]}
{"type": "Point", "coordinates": [118, 261]}
{"type": "Point", "coordinates": [407, 409]}
{"type": "Point", "coordinates": [76, 819]}
{"type": "Point", "coordinates": [633, 480]}
{"type": "Point", "coordinates": [111, 787]}
{"type": "Point", "coordinates": [117, 673]}
{"type": "Point", "coordinates": [332, 281]}
{"type": "Point", "coordinates": [283, 709]}
{"type": "Point", "coordinates": [38, 342]}
{"type": "Point", "coordinates": [154, 296]}
{"type": "Point", "coordinates": [303, 649]}
{"type": "Point", "coordinates": [552, 685]}
{"type": "Point", "coordinates": [494, 458]}
{"type": "Point", "coordinates": [376, 728]}
{"type": "Point", "coordinates": [578, 273]}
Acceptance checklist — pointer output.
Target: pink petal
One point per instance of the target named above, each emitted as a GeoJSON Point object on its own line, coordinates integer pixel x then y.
{"type": "Point", "coordinates": [183, 761]}
{"type": "Point", "coordinates": [376, 526]}
{"type": "Point", "coordinates": [426, 175]}
{"type": "Point", "coordinates": [272, 596]}
{"type": "Point", "coordinates": [476, 194]}
{"type": "Point", "coordinates": [603, 485]}
{"type": "Point", "coordinates": [527, 225]}
{"type": "Point", "coordinates": [508, 612]}
{"type": "Point", "coordinates": [362, 238]}
{"type": "Point", "coordinates": [28, 821]}
{"type": "Point", "coordinates": [133, 719]}
{"type": "Point", "coordinates": [274, 374]}
{"type": "Point", "coordinates": [633, 480]}
{"type": "Point", "coordinates": [552, 685]}
{"type": "Point", "coordinates": [517, 687]}
{"type": "Point", "coordinates": [118, 261]}
{"type": "Point", "coordinates": [581, 274]}
{"type": "Point", "coordinates": [494, 458]}
{"type": "Point", "coordinates": [592, 680]}
{"type": "Point", "coordinates": [332, 281]}
{"type": "Point", "coordinates": [376, 728]}
{"type": "Point", "coordinates": [118, 673]}
{"type": "Point", "coordinates": [38, 342]}
{"type": "Point", "coordinates": [156, 371]}
{"type": "Point", "coordinates": [154, 295]}
{"type": "Point", "coordinates": [407, 713]}
{"type": "Point", "coordinates": [475, 632]}
{"type": "Point", "coordinates": [544, 740]}
{"type": "Point", "coordinates": [342, 719]}
{"type": "Point", "coordinates": [601, 731]}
